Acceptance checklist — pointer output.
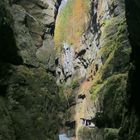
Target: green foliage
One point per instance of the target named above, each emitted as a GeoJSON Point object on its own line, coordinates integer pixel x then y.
{"type": "Point", "coordinates": [75, 84]}
{"type": "Point", "coordinates": [95, 90]}
{"type": "Point", "coordinates": [115, 51]}
{"type": "Point", "coordinates": [111, 93]}
{"type": "Point", "coordinates": [85, 133]}
{"type": "Point", "coordinates": [114, 34]}
{"type": "Point", "coordinates": [33, 106]}
{"type": "Point", "coordinates": [109, 84]}
{"type": "Point", "coordinates": [110, 134]}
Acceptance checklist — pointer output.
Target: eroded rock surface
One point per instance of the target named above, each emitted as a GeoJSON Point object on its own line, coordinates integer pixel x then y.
{"type": "Point", "coordinates": [89, 55]}
{"type": "Point", "coordinates": [98, 68]}
{"type": "Point", "coordinates": [29, 96]}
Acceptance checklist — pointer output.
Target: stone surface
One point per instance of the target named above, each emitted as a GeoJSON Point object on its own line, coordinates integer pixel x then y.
{"type": "Point", "coordinates": [29, 96]}
{"type": "Point", "coordinates": [31, 103]}
{"type": "Point", "coordinates": [101, 66]}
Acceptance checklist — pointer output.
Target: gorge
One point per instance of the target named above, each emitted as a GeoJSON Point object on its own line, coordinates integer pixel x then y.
{"type": "Point", "coordinates": [69, 69]}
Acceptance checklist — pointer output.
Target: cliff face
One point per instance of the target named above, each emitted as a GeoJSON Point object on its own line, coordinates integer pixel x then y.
{"type": "Point", "coordinates": [130, 128]}
{"type": "Point", "coordinates": [96, 64]}
{"type": "Point", "coordinates": [38, 16]}
{"type": "Point", "coordinates": [29, 96]}
{"type": "Point", "coordinates": [61, 61]}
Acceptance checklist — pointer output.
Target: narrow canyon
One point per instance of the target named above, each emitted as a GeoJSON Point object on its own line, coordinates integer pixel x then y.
{"type": "Point", "coordinates": [69, 69]}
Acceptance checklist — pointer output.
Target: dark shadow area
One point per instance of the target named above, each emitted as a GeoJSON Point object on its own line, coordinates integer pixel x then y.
{"type": "Point", "coordinates": [8, 49]}
{"type": "Point", "coordinates": [5, 73]}
{"type": "Point", "coordinates": [133, 21]}
{"type": "Point", "coordinates": [130, 124]}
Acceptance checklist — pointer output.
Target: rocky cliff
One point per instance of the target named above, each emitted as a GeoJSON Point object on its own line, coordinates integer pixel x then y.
{"type": "Point", "coordinates": [94, 59]}
{"type": "Point", "coordinates": [62, 61]}
{"type": "Point", "coordinates": [130, 124]}
{"type": "Point", "coordinates": [29, 96]}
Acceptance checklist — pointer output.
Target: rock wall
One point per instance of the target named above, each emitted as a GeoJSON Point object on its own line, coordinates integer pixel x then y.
{"type": "Point", "coordinates": [111, 63]}
{"type": "Point", "coordinates": [38, 17]}
{"type": "Point", "coordinates": [29, 96]}
{"type": "Point", "coordinates": [130, 124]}
{"type": "Point", "coordinates": [100, 67]}
{"type": "Point", "coordinates": [85, 45]}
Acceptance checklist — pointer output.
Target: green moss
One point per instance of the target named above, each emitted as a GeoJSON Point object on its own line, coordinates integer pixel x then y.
{"type": "Point", "coordinates": [109, 84]}
{"type": "Point", "coordinates": [115, 51]}
{"type": "Point", "coordinates": [111, 80]}
{"type": "Point", "coordinates": [95, 90]}
{"type": "Point", "coordinates": [90, 134]}
{"type": "Point", "coordinates": [85, 133]}
{"type": "Point", "coordinates": [113, 30]}
{"type": "Point", "coordinates": [111, 93]}
{"type": "Point", "coordinates": [110, 134]}
{"type": "Point", "coordinates": [30, 105]}
{"type": "Point", "coordinates": [75, 84]}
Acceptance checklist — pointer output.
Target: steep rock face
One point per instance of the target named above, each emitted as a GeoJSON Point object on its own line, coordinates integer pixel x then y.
{"type": "Point", "coordinates": [38, 17]}
{"type": "Point", "coordinates": [29, 96]}
{"type": "Point", "coordinates": [130, 125]}
{"type": "Point", "coordinates": [24, 41]}
{"type": "Point", "coordinates": [92, 58]}
{"type": "Point", "coordinates": [99, 62]}
{"type": "Point", "coordinates": [112, 65]}
{"type": "Point", "coordinates": [71, 22]}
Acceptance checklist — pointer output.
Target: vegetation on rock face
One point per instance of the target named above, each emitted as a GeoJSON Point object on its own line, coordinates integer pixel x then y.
{"type": "Point", "coordinates": [116, 50]}
{"type": "Point", "coordinates": [111, 100]}
{"type": "Point", "coordinates": [110, 134]}
{"type": "Point", "coordinates": [115, 53]}
{"type": "Point", "coordinates": [110, 81]}
{"type": "Point", "coordinates": [130, 124]}
{"type": "Point", "coordinates": [71, 22]}
{"type": "Point", "coordinates": [7, 32]}
{"type": "Point", "coordinates": [86, 133]}
{"type": "Point", "coordinates": [31, 104]}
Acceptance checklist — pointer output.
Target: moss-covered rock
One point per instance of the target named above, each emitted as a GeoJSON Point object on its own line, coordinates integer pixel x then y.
{"type": "Point", "coordinates": [110, 134]}
{"type": "Point", "coordinates": [8, 53]}
{"type": "Point", "coordinates": [110, 81]}
{"type": "Point", "coordinates": [130, 124]}
{"type": "Point", "coordinates": [85, 133]}
{"type": "Point", "coordinates": [111, 101]}
{"type": "Point", "coordinates": [115, 51]}
{"type": "Point", "coordinates": [30, 105]}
